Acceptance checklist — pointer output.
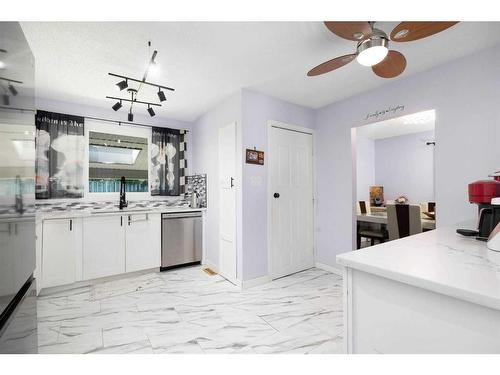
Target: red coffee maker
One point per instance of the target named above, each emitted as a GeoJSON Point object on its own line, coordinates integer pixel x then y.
{"type": "Point", "coordinates": [481, 193]}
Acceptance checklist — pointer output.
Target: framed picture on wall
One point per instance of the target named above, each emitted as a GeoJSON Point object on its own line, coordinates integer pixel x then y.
{"type": "Point", "coordinates": [254, 157]}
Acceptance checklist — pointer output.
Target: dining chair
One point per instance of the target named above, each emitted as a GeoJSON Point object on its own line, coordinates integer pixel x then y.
{"type": "Point", "coordinates": [367, 231]}
{"type": "Point", "coordinates": [428, 206]}
{"type": "Point", "coordinates": [403, 220]}
{"type": "Point", "coordinates": [363, 207]}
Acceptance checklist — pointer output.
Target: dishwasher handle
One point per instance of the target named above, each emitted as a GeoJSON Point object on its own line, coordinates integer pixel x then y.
{"type": "Point", "coordinates": [178, 215]}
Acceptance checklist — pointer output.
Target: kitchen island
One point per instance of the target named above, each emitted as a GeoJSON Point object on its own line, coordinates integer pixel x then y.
{"type": "Point", "coordinates": [435, 292]}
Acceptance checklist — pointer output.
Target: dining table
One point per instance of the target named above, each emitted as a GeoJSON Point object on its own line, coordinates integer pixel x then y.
{"type": "Point", "coordinates": [381, 218]}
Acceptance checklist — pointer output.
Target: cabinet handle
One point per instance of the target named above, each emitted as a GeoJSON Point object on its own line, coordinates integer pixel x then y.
{"type": "Point", "coordinates": [129, 220]}
{"type": "Point", "coordinates": [70, 224]}
{"type": "Point", "coordinates": [121, 221]}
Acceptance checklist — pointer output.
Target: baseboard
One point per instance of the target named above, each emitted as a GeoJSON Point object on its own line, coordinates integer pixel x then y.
{"type": "Point", "coordinates": [326, 267]}
{"type": "Point", "coordinates": [245, 284]}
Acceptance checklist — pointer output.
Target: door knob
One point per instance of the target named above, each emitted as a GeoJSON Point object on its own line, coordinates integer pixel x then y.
{"type": "Point", "coordinates": [276, 195]}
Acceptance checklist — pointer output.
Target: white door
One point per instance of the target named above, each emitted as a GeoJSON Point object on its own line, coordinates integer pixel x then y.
{"type": "Point", "coordinates": [143, 242]}
{"type": "Point", "coordinates": [60, 245]}
{"type": "Point", "coordinates": [291, 202]}
{"type": "Point", "coordinates": [103, 246]}
{"type": "Point", "coordinates": [227, 202]}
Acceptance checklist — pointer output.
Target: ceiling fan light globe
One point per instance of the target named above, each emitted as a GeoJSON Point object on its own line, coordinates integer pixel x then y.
{"type": "Point", "coordinates": [372, 56]}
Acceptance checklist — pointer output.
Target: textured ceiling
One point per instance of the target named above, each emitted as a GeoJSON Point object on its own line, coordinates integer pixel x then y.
{"type": "Point", "coordinates": [207, 62]}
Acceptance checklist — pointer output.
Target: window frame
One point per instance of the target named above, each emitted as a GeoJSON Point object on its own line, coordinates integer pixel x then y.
{"type": "Point", "coordinates": [126, 130]}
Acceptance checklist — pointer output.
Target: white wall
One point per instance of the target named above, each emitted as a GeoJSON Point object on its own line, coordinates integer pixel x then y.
{"type": "Point", "coordinates": [464, 94]}
{"type": "Point", "coordinates": [404, 165]}
{"type": "Point", "coordinates": [205, 143]}
{"type": "Point", "coordinates": [365, 167]}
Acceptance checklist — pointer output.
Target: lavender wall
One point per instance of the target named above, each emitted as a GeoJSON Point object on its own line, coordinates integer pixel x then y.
{"type": "Point", "coordinates": [365, 167]}
{"type": "Point", "coordinates": [205, 143]}
{"type": "Point", "coordinates": [465, 95]}
{"type": "Point", "coordinates": [404, 165]}
{"type": "Point", "coordinates": [257, 110]}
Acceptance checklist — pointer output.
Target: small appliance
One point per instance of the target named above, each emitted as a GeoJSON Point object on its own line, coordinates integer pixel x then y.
{"type": "Point", "coordinates": [494, 238]}
{"type": "Point", "coordinates": [486, 194]}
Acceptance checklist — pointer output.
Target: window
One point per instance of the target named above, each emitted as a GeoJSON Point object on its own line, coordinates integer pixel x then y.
{"type": "Point", "coordinates": [112, 156]}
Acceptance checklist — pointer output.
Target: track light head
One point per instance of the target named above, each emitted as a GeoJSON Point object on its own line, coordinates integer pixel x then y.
{"type": "Point", "coordinates": [161, 95]}
{"type": "Point", "coordinates": [151, 111]}
{"type": "Point", "coordinates": [117, 106]}
{"type": "Point", "coordinates": [5, 99]}
{"type": "Point", "coordinates": [130, 116]}
{"type": "Point", "coordinates": [12, 89]}
{"type": "Point", "coordinates": [122, 85]}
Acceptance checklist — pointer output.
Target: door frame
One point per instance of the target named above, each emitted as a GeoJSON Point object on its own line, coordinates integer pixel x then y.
{"type": "Point", "coordinates": [299, 129]}
{"type": "Point", "coordinates": [236, 280]}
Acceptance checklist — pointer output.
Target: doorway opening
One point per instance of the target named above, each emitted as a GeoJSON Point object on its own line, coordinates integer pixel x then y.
{"type": "Point", "coordinates": [394, 178]}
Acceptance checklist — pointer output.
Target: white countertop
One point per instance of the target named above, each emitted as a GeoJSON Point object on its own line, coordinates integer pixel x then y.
{"type": "Point", "coordinates": [91, 212]}
{"type": "Point", "coordinates": [440, 260]}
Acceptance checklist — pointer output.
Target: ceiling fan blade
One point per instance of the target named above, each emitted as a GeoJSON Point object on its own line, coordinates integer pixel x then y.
{"type": "Point", "coordinates": [332, 64]}
{"type": "Point", "coordinates": [393, 65]}
{"type": "Point", "coordinates": [350, 30]}
{"type": "Point", "coordinates": [409, 31]}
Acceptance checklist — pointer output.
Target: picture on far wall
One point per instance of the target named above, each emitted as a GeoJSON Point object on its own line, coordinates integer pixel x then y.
{"type": "Point", "coordinates": [376, 196]}
{"type": "Point", "coordinates": [60, 151]}
{"type": "Point", "coordinates": [254, 157]}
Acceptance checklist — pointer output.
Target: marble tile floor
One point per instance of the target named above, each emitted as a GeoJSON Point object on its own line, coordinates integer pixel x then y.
{"type": "Point", "coordinates": [188, 311]}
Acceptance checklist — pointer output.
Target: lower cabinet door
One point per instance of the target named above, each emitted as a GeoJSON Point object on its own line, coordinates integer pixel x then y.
{"type": "Point", "coordinates": [61, 242]}
{"type": "Point", "coordinates": [103, 246]}
{"type": "Point", "coordinates": [143, 242]}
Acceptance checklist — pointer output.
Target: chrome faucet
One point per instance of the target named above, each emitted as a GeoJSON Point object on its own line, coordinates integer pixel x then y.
{"type": "Point", "coordinates": [123, 200]}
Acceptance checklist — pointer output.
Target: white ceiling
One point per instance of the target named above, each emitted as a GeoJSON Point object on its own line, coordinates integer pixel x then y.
{"type": "Point", "coordinates": [410, 124]}
{"type": "Point", "coordinates": [206, 62]}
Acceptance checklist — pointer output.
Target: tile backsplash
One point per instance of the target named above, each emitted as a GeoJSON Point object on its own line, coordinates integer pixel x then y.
{"type": "Point", "coordinates": [197, 184]}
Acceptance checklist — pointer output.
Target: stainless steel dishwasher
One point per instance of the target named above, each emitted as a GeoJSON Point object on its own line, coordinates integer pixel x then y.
{"type": "Point", "coordinates": [181, 239]}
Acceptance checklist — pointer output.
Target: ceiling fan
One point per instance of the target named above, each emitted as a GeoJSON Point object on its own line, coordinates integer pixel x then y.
{"type": "Point", "coordinates": [373, 45]}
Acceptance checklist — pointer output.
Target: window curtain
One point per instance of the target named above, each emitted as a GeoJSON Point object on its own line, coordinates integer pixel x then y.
{"type": "Point", "coordinates": [168, 162]}
{"type": "Point", "coordinates": [60, 150]}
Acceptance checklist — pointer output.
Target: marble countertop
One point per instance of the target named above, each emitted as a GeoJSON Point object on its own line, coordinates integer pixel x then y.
{"type": "Point", "coordinates": [441, 261]}
{"type": "Point", "coordinates": [85, 209]}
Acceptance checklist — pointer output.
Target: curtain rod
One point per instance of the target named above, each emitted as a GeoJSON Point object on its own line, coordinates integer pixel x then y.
{"type": "Point", "coordinates": [124, 122]}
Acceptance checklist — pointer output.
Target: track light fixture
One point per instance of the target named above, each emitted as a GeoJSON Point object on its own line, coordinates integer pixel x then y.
{"type": "Point", "coordinates": [122, 85]}
{"type": "Point", "coordinates": [117, 106]}
{"type": "Point", "coordinates": [12, 89]}
{"type": "Point", "coordinates": [140, 84]}
{"type": "Point", "coordinates": [161, 95]}
{"type": "Point", "coordinates": [151, 111]}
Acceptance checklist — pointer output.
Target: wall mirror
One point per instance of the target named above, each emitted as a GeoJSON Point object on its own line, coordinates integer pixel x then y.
{"type": "Point", "coordinates": [112, 156]}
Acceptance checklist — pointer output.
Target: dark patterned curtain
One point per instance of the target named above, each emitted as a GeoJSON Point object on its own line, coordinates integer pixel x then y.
{"type": "Point", "coordinates": [60, 150]}
{"type": "Point", "coordinates": [168, 162]}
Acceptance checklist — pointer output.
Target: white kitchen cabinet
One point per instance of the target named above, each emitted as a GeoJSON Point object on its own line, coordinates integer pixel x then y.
{"type": "Point", "coordinates": [61, 244]}
{"type": "Point", "coordinates": [143, 242]}
{"type": "Point", "coordinates": [103, 246]}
